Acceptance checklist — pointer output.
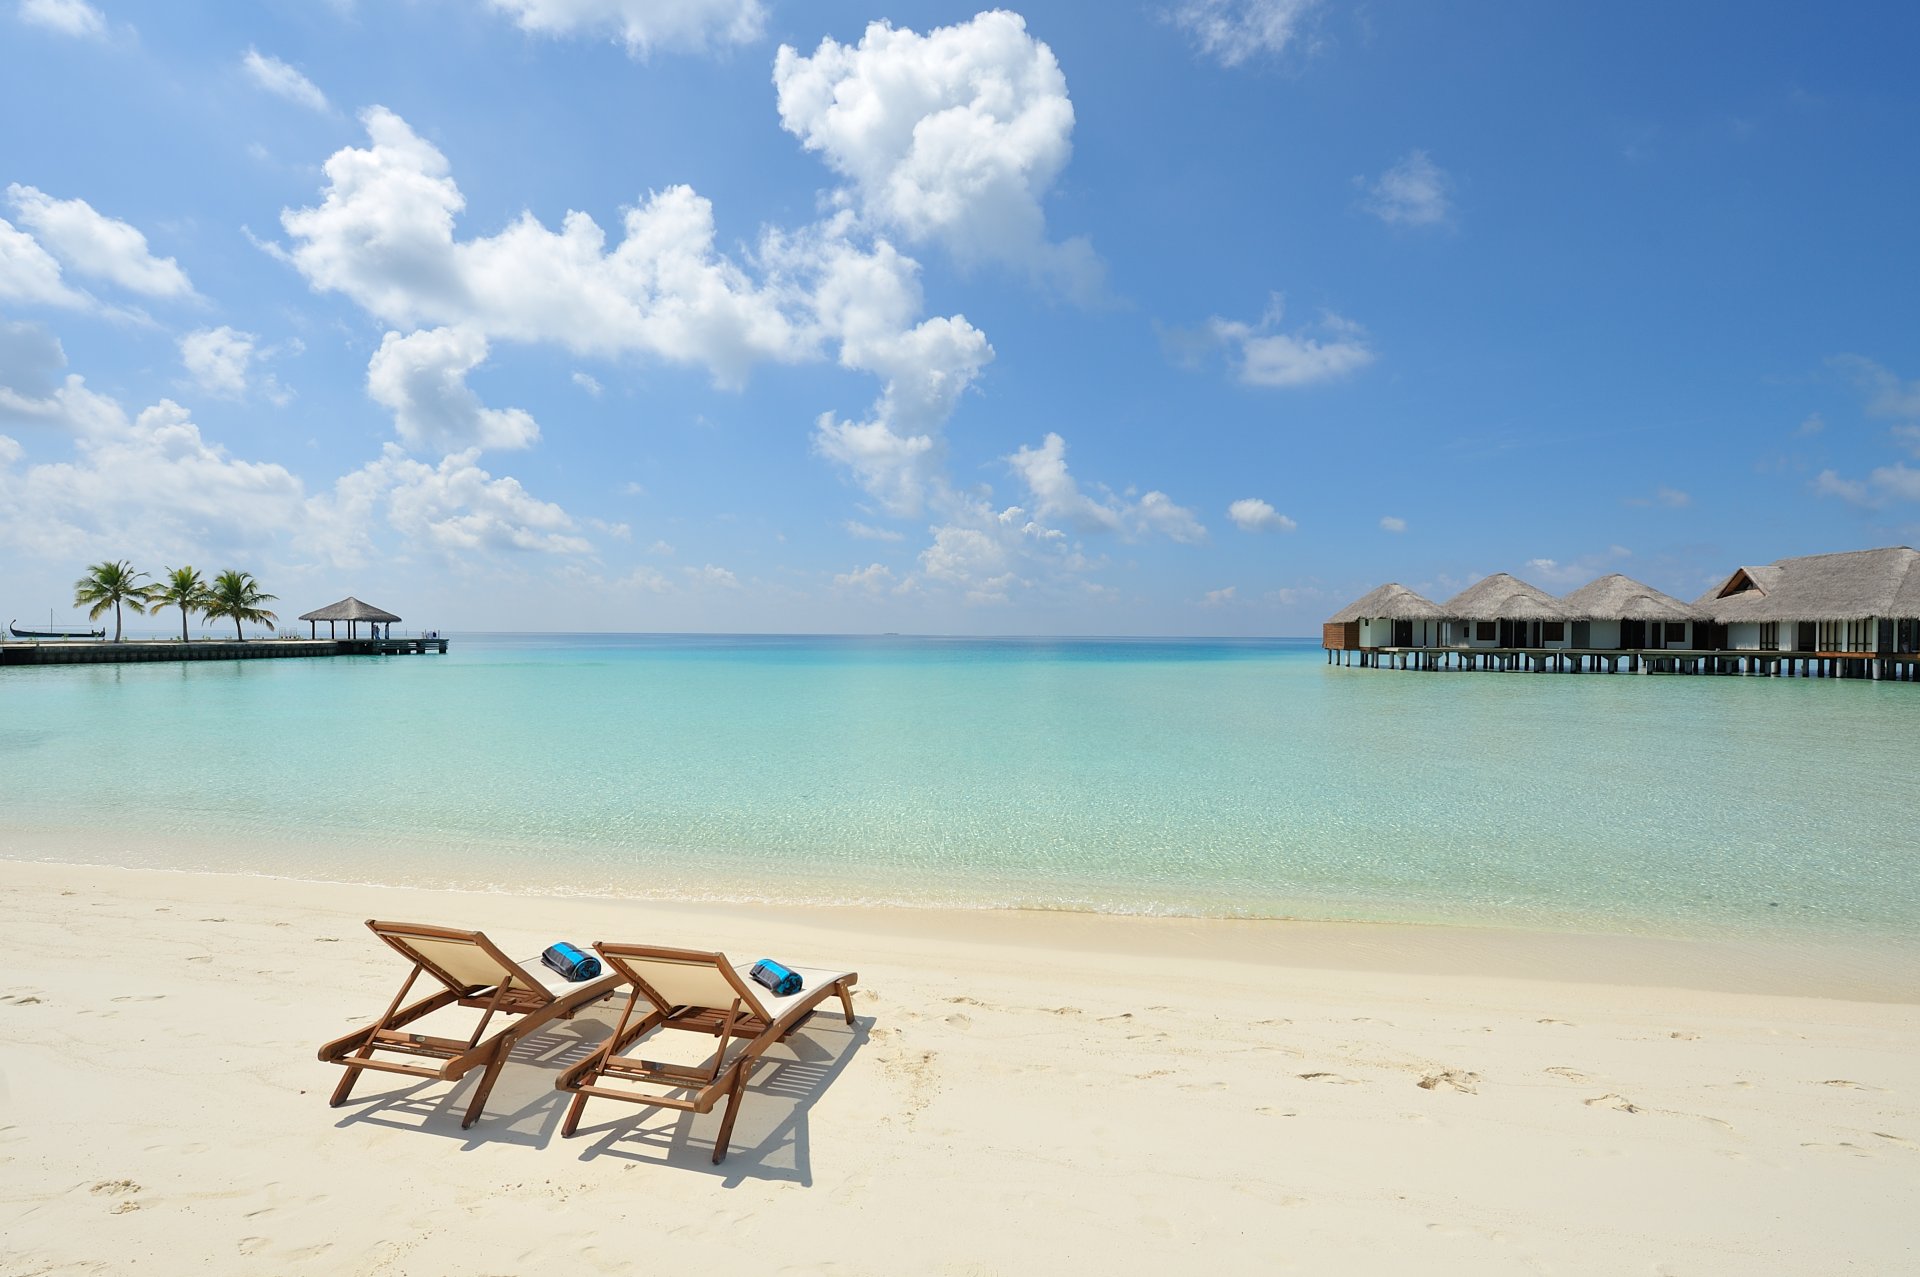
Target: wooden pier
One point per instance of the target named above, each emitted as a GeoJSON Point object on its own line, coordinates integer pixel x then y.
{"type": "Point", "coordinates": [1896, 666]}
{"type": "Point", "coordinates": [84, 652]}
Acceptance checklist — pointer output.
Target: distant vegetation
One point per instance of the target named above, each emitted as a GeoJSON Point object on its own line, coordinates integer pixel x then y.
{"type": "Point", "coordinates": [115, 584]}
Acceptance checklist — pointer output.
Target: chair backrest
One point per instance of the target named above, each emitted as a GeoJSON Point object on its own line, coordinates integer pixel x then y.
{"type": "Point", "coordinates": [681, 977]}
{"type": "Point", "coordinates": [461, 960]}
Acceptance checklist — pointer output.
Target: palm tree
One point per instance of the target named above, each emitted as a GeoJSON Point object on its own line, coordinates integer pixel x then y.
{"type": "Point", "coordinates": [237, 594]}
{"type": "Point", "coordinates": [183, 589]}
{"type": "Point", "coordinates": [113, 585]}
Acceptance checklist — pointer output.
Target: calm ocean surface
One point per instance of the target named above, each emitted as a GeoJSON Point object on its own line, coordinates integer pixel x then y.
{"type": "Point", "coordinates": [1177, 777]}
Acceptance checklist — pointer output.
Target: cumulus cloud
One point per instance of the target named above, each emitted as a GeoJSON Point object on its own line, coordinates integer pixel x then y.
{"type": "Point", "coordinates": [221, 362]}
{"type": "Point", "coordinates": [1884, 485]}
{"type": "Point", "coordinates": [29, 275]}
{"type": "Point", "coordinates": [1235, 31]}
{"type": "Point", "coordinates": [422, 378]}
{"type": "Point", "coordinates": [67, 17]}
{"type": "Point", "coordinates": [152, 485]}
{"type": "Point", "coordinates": [1411, 193]}
{"type": "Point", "coordinates": [644, 25]}
{"type": "Point", "coordinates": [955, 136]}
{"type": "Point", "coordinates": [1251, 514]}
{"type": "Point", "coordinates": [1392, 523]}
{"type": "Point", "coordinates": [31, 359]}
{"type": "Point", "coordinates": [283, 80]}
{"type": "Point", "coordinates": [1261, 355]}
{"type": "Point", "coordinates": [1560, 576]}
{"type": "Point", "coordinates": [872, 579]}
{"type": "Point", "coordinates": [1219, 597]}
{"type": "Point", "coordinates": [710, 577]}
{"type": "Point", "coordinates": [1058, 498]}
{"type": "Point", "coordinates": [589, 383]}
{"type": "Point", "coordinates": [97, 245]}
{"type": "Point", "coordinates": [454, 507]}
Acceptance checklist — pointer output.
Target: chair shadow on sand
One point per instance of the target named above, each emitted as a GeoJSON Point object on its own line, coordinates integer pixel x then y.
{"type": "Point", "coordinates": [526, 1109]}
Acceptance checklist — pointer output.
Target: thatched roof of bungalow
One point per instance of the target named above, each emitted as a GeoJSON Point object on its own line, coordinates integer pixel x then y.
{"type": "Point", "coordinates": [1392, 602]}
{"type": "Point", "coordinates": [1616, 597]}
{"type": "Point", "coordinates": [1820, 587]}
{"type": "Point", "coordinates": [349, 609]}
{"type": "Point", "coordinates": [1504, 598]}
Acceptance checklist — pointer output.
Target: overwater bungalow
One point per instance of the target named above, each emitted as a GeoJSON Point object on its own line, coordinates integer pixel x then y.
{"type": "Point", "coordinates": [1618, 613]}
{"type": "Point", "coordinates": [1391, 616]}
{"type": "Point", "coordinates": [1850, 615]}
{"type": "Point", "coordinates": [1503, 611]}
{"type": "Point", "coordinates": [1855, 614]}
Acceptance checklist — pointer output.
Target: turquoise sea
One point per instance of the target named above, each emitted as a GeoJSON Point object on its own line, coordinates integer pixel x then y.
{"type": "Point", "coordinates": [1234, 778]}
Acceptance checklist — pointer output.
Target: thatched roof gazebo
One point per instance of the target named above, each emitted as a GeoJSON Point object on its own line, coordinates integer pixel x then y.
{"type": "Point", "coordinates": [350, 610]}
{"type": "Point", "coordinates": [1616, 597]}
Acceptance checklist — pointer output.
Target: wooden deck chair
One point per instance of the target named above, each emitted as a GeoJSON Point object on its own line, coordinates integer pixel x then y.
{"type": "Point", "coordinates": [471, 972]}
{"type": "Point", "coordinates": [702, 993]}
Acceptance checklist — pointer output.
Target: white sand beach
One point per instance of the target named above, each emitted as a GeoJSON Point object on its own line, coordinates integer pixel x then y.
{"type": "Point", "coordinates": [1021, 1093]}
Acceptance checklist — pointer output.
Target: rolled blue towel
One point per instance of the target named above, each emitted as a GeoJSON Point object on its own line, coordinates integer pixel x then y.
{"type": "Point", "coordinates": [784, 982]}
{"type": "Point", "coordinates": [571, 961]}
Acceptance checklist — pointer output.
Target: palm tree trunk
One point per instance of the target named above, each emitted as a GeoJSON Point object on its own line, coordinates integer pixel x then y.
{"type": "Point", "coordinates": [116, 620]}
{"type": "Point", "coordinates": [183, 622]}
{"type": "Point", "coordinates": [238, 637]}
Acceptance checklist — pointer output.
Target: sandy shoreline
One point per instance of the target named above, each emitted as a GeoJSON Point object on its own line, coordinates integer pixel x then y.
{"type": "Point", "coordinates": [1021, 1093]}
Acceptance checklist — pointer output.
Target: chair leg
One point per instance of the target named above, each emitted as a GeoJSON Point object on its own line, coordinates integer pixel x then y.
{"type": "Point", "coordinates": [572, 1123]}
{"type": "Point", "coordinates": [487, 1078]}
{"type": "Point", "coordinates": [734, 1095]}
{"type": "Point", "coordinates": [345, 1088]}
{"type": "Point", "coordinates": [846, 1000]}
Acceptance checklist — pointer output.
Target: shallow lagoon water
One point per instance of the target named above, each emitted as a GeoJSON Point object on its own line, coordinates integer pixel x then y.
{"type": "Point", "coordinates": [1231, 778]}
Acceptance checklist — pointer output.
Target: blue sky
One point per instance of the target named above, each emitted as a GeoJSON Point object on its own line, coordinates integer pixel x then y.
{"type": "Point", "coordinates": [1202, 316]}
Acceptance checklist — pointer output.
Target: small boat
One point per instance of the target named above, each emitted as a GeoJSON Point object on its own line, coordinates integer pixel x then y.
{"type": "Point", "coordinates": [13, 627]}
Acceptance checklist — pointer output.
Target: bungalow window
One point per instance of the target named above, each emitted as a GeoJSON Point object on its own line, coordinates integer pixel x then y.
{"type": "Point", "coordinates": [1553, 631]}
{"type": "Point", "coordinates": [1485, 631]}
{"type": "Point", "coordinates": [1676, 631]}
{"type": "Point", "coordinates": [1769, 636]}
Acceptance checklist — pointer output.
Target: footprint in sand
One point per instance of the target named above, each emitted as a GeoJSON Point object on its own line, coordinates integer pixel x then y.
{"type": "Point", "coordinates": [1571, 1075]}
{"type": "Point", "coordinates": [21, 999]}
{"type": "Point", "coordinates": [1611, 1101]}
{"type": "Point", "coordinates": [1683, 1035]}
{"type": "Point", "coordinates": [1456, 1079]}
{"type": "Point", "coordinates": [1845, 1085]}
{"type": "Point", "coordinates": [1565, 1024]}
{"type": "Point", "coordinates": [1273, 1024]}
{"type": "Point", "coordinates": [1843, 1147]}
{"type": "Point", "coordinates": [1894, 1139]}
{"type": "Point", "coordinates": [1124, 1015]}
{"type": "Point", "coordinates": [1367, 1019]}
{"type": "Point", "coordinates": [140, 997]}
{"type": "Point", "coordinates": [114, 1188]}
{"type": "Point", "coordinates": [1333, 1078]}
{"type": "Point", "coordinates": [959, 1020]}
{"type": "Point", "coordinates": [1269, 1111]}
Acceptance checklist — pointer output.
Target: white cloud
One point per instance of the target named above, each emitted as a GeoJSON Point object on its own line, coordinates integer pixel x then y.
{"type": "Point", "coordinates": [283, 80]}
{"type": "Point", "coordinates": [661, 548]}
{"type": "Point", "coordinates": [1215, 598]}
{"type": "Point", "coordinates": [1251, 514]}
{"type": "Point", "coordinates": [1411, 193]}
{"type": "Point", "coordinates": [589, 383]}
{"type": "Point", "coordinates": [1560, 576]}
{"type": "Point", "coordinates": [955, 136]}
{"type": "Point", "coordinates": [867, 533]}
{"type": "Point", "coordinates": [94, 244]}
{"type": "Point", "coordinates": [873, 578]}
{"type": "Point", "coordinates": [1885, 484]}
{"type": "Point", "coordinates": [422, 378]}
{"type": "Point", "coordinates": [151, 487]}
{"type": "Point", "coordinates": [1392, 523]}
{"type": "Point", "coordinates": [1887, 395]}
{"type": "Point", "coordinates": [1829, 484]}
{"type": "Point", "coordinates": [1057, 497]}
{"type": "Point", "coordinates": [454, 507]}
{"type": "Point", "coordinates": [1813, 424]}
{"type": "Point", "coordinates": [383, 235]}
{"type": "Point", "coordinates": [644, 25]}
{"type": "Point", "coordinates": [710, 577]}
{"type": "Point", "coordinates": [1327, 351]}
{"type": "Point", "coordinates": [30, 275]}
{"type": "Point", "coordinates": [68, 17]}
{"type": "Point", "coordinates": [221, 360]}
{"type": "Point", "coordinates": [1235, 31]}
